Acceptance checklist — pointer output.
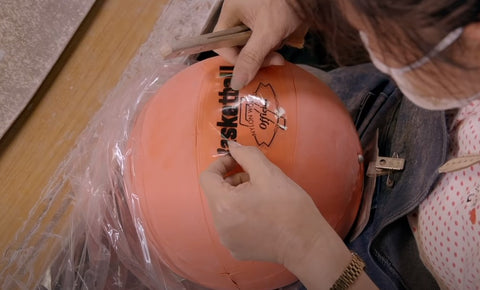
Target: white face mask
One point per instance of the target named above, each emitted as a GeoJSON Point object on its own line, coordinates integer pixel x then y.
{"type": "Point", "coordinates": [412, 91]}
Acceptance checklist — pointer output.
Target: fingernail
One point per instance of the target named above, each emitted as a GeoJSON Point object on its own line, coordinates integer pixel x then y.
{"type": "Point", "coordinates": [233, 144]}
{"type": "Point", "coordinates": [277, 60]}
{"type": "Point", "coordinates": [238, 81]}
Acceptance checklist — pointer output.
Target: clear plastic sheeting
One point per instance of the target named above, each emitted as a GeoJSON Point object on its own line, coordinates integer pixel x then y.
{"type": "Point", "coordinates": [82, 234]}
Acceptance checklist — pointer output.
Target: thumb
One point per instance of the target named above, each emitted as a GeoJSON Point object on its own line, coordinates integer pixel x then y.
{"type": "Point", "coordinates": [253, 55]}
{"type": "Point", "coordinates": [251, 159]}
{"type": "Point", "coordinates": [212, 179]}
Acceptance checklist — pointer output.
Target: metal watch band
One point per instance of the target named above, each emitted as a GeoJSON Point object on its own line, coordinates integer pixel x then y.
{"type": "Point", "coordinates": [350, 274]}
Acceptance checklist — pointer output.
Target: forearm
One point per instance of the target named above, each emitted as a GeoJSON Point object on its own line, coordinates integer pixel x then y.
{"type": "Point", "coordinates": [324, 262]}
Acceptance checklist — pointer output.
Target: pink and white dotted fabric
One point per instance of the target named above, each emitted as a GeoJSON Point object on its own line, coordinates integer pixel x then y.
{"type": "Point", "coordinates": [447, 224]}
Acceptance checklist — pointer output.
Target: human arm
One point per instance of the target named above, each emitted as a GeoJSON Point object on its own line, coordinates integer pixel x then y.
{"type": "Point", "coordinates": [261, 214]}
{"type": "Point", "coordinates": [271, 22]}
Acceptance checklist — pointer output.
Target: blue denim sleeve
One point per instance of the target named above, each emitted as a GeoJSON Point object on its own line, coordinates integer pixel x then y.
{"type": "Point", "coordinates": [419, 136]}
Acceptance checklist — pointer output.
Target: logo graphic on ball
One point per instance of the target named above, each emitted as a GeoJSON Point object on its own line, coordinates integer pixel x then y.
{"type": "Point", "coordinates": [262, 114]}
{"type": "Point", "coordinates": [259, 112]}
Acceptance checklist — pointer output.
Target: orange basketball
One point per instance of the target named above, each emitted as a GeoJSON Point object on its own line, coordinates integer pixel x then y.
{"type": "Point", "coordinates": [295, 119]}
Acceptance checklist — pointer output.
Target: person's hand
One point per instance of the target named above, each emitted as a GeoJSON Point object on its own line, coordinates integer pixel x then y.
{"type": "Point", "coordinates": [271, 22]}
{"type": "Point", "coordinates": [260, 214]}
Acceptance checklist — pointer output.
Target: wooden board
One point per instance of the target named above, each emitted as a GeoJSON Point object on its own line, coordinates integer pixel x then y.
{"type": "Point", "coordinates": [45, 132]}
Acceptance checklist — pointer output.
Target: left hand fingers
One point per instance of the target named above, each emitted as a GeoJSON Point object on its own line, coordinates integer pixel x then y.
{"type": "Point", "coordinates": [213, 182]}
{"type": "Point", "coordinates": [237, 178]}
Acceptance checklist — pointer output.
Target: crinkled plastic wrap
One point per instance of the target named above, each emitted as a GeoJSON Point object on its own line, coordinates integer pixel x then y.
{"type": "Point", "coordinates": [81, 234]}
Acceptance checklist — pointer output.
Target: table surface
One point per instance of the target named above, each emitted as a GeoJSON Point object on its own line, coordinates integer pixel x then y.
{"type": "Point", "coordinates": [33, 34]}
{"type": "Point", "coordinates": [75, 89]}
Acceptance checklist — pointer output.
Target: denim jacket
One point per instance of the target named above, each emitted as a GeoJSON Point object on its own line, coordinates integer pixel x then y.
{"type": "Point", "coordinates": [420, 137]}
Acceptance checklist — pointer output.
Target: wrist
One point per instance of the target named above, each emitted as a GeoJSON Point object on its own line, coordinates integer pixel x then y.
{"type": "Point", "coordinates": [321, 256]}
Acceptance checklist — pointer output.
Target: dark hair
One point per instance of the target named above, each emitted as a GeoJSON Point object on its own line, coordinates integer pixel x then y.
{"type": "Point", "coordinates": [338, 37]}
{"type": "Point", "coordinates": [423, 22]}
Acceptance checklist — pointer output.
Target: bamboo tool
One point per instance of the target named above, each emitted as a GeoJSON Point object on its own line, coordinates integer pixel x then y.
{"type": "Point", "coordinates": [235, 36]}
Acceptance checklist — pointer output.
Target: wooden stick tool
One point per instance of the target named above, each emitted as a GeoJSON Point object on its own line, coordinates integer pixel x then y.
{"type": "Point", "coordinates": [235, 36]}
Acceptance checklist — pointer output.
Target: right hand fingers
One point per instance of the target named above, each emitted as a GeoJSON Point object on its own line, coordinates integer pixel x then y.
{"type": "Point", "coordinates": [258, 52]}
{"type": "Point", "coordinates": [253, 56]}
{"type": "Point", "coordinates": [271, 22]}
{"type": "Point", "coordinates": [246, 71]}
{"type": "Point", "coordinates": [230, 54]}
